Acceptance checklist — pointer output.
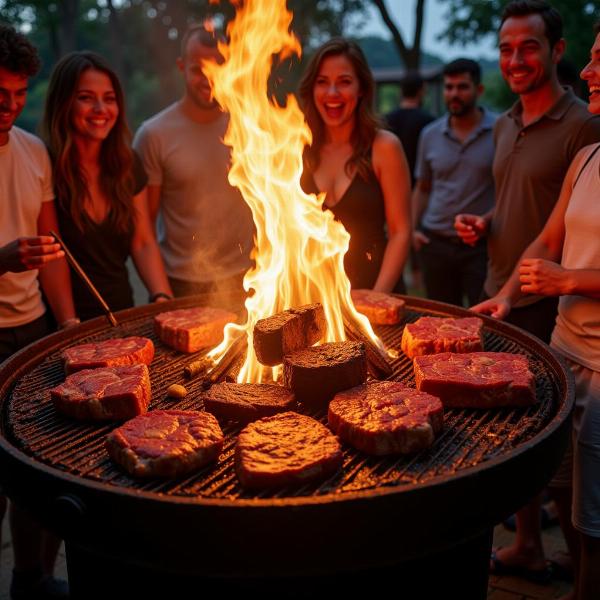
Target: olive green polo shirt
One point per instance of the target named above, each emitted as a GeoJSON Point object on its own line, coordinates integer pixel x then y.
{"type": "Point", "coordinates": [530, 164]}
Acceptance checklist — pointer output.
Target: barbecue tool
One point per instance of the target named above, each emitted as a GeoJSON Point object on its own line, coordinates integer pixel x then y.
{"type": "Point", "coordinates": [77, 268]}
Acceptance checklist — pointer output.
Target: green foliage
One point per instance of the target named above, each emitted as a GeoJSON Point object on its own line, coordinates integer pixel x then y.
{"type": "Point", "coordinates": [471, 20]}
{"type": "Point", "coordinates": [496, 95]}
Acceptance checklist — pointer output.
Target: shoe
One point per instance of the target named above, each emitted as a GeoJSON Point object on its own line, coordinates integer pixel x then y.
{"type": "Point", "coordinates": [28, 586]}
{"type": "Point", "coordinates": [541, 576]}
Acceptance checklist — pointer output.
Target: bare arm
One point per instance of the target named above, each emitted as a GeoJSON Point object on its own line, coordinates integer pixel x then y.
{"type": "Point", "coordinates": [54, 277]}
{"type": "Point", "coordinates": [420, 200]}
{"type": "Point", "coordinates": [392, 173]}
{"type": "Point", "coordinates": [145, 252]}
{"type": "Point", "coordinates": [153, 198]}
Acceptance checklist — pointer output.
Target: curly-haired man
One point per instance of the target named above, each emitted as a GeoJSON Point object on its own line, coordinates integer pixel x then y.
{"type": "Point", "coordinates": [27, 215]}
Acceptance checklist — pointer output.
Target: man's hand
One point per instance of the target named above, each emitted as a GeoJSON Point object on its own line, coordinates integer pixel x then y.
{"type": "Point", "coordinates": [419, 239]}
{"type": "Point", "coordinates": [497, 307]}
{"type": "Point", "coordinates": [27, 253]}
{"type": "Point", "coordinates": [470, 228]}
{"type": "Point", "coordinates": [538, 276]}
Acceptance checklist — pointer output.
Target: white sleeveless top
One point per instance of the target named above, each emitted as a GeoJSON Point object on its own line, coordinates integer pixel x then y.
{"type": "Point", "coordinates": [577, 331]}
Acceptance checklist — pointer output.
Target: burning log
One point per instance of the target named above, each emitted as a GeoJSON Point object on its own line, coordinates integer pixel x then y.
{"type": "Point", "coordinates": [237, 348]}
{"type": "Point", "coordinates": [197, 367]}
{"type": "Point", "coordinates": [377, 362]}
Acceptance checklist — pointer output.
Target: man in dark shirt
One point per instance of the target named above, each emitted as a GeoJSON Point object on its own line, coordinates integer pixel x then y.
{"type": "Point", "coordinates": [407, 122]}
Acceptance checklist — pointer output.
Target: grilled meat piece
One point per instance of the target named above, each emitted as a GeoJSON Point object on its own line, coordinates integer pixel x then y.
{"type": "Point", "coordinates": [288, 331]}
{"type": "Point", "coordinates": [285, 449]}
{"type": "Point", "coordinates": [166, 443]}
{"type": "Point", "coordinates": [316, 374]}
{"type": "Point", "coordinates": [386, 417]}
{"type": "Point", "coordinates": [191, 329]}
{"type": "Point", "coordinates": [109, 353]}
{"type": "Point", "coordinates": [476, 380]}
{"type": "Point", "coordinates": [432, 335]}
{"type": "Point", "coordinates": [105, 394]}
{"type": "Point", "coordinates": [247, 401]}
{"type": "Point", "coordinates": [378, 307]}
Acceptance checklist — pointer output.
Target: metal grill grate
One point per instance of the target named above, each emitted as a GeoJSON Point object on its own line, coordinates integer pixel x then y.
{"type": "Point", "coordinates": [469, 438]}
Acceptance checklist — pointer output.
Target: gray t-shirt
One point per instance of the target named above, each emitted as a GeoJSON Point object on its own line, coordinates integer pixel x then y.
{"type": "Point", "coordinates": [205, 229]}
{"type": "Point", "coordinates": [460, 172]}
{"type": "Point", "coordinates": [529, 167]}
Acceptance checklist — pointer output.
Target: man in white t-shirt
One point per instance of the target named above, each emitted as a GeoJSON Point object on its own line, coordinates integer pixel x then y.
{"type": "Point", "coordinates": [29, 258]}
{"type": "Point", "coordinates": [205, 229]}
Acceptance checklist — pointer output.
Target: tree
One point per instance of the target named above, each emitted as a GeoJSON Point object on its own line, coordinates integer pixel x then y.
{"type": "Point", "coordinates": [472, 20]}
{"type": "Point", "coordinates": [411, 57]}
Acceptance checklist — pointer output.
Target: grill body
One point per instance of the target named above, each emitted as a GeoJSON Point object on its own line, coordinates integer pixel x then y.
{"type": "Point", "coordinates": [377, 513]}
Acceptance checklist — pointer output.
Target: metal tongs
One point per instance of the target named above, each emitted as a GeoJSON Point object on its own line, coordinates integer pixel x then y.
{"type": "Point", "coordinates": [86, 280]}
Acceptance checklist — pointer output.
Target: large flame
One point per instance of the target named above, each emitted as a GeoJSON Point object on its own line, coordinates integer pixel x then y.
{"type": "Point", "coordinates": [299, 246]}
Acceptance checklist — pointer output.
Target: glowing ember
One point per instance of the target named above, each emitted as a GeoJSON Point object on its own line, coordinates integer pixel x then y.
{"type": "Point", "coordinates": [299, 247]}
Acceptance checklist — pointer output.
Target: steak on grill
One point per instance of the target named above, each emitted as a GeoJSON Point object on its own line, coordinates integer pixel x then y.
{"type": "Point", "coordinates": [288, 331]}
{"type": "Point", "coordinates": [109, 353]}
{"type": "Point", "coordinates": [386, 417]}
{"type": "Point", "coordinates": [285, 449]}
{"type": "Point", "coordinates": [432, 335]}
{"type": "Point", "coordinates": [191, 329]}
{"type": "Point", "coordinates": [166, 443]}
{"type": "Point", "coordinates": [105, 394]}
{"type": "Point", "coordinates": [379, 308]}
{"type": "Point", "coordinates": [317, 373]}
{"type": "Point", "coordinates": [247, 401]}
{"type": "Point", "coordinates": [476, 380]}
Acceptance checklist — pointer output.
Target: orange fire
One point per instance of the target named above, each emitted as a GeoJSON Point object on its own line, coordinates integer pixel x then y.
{"type": "Point", "coordinates": [299, 247]}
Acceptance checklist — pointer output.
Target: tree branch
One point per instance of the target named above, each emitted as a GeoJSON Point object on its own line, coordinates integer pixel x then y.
{"type": "Point", "coordinates": [396, 35]}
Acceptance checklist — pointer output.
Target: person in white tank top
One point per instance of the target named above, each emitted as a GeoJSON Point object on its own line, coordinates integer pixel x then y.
{"type": "Point", "coordinates": [564, 260]}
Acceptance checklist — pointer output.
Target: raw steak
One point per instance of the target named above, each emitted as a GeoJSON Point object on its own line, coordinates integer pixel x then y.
{"type": "Point", "coordinates": [386, 417]}
{"type": "Point", "coordinates": [109, 353]}
{"type": "Point", "coordinates": [379, 308]}
{"type": "Point", "coordinates": [286, 449]}
{"type": "Point", "coordinates": [166, 443]}
{"type": "Point", "coordinates": [288, 331]}
{"type": "Point", "coordinates": [191, 329]}
{"type": "Point", "coordinates": [105, 394]}
{"type": "Point", "coordinates": [316, 374]}
{"type": "Point", "coordinates": [247, 401]}
{"type": "Point", "coordinates": [476, 380]}
{"type": "Point", "coordinates": [432, 335]}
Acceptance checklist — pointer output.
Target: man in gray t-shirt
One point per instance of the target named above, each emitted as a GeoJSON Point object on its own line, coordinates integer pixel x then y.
{"type": "Point", "coordinates": [205, 229]}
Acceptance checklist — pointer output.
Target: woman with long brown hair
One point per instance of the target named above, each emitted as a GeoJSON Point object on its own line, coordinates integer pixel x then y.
{"type": "Point", "coordinates": [360, 167]}
{"type": "Point", "coordinates": [99, 184]}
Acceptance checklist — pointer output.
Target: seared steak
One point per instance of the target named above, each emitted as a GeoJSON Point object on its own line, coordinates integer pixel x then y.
{"type": "Point", "coordinates": [247, 401]}
{"type": "Point", "coordinates": [379, 308]}
{"type": "Point", "coordinates": [286, 449]}
{"type": "Point", "coordinates": [476, 380]}
{"type": "Point", "coordinates": [316, 374]}
{"type": "Point", "coordinates": [105, 394]}
{"type": "Point", "coordinates": [432, 335]}
{"type": "Point", "coordinates": [386, 417]}
{"type": "Point", "coordinates": [166, 443]}
{"type": "Point", "coordinates": [191, 329]}
{"type": "Point", "coordinates": [288, 331]}
{"type": "Point", "coordinates": [109, 353]}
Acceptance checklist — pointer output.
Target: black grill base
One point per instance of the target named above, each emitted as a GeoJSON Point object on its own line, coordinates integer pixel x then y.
{"type": "Point", "coordinates": [460, 572]}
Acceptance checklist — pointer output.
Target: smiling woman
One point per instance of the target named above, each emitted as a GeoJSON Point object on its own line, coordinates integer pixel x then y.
{"type": "Point", "coordinates": [359, 167]}
{"type": "Point", "coordinates": [99, 184]}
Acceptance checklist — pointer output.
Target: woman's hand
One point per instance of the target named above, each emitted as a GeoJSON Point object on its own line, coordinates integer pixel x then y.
{"type": "Point", "coordinates": [27, 253]}
{"type": "Point", "coordinates": [543, 277]}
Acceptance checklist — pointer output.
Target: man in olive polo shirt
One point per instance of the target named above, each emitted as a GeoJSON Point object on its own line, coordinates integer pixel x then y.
{"type": "Point", "coordinates": [536, 140]}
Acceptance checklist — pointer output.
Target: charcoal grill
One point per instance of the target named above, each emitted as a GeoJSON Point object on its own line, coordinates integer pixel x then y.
{"type": "Point", "coordinates": [422, 522]}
